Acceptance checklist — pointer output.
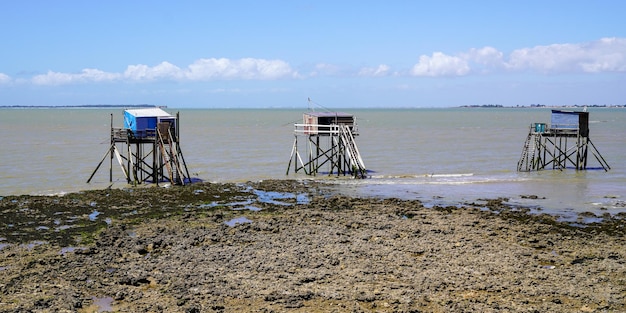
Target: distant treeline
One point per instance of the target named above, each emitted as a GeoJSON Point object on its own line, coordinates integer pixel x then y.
{"type": "Point", "coordinates": [91, 106]}
{"type": "Point", "coordinates": [545, 106]}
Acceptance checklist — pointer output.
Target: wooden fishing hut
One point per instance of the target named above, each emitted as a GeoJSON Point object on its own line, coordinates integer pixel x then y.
{"type": "Point", "coordinates": [328, 140]}
{"type": "Point", "coordinates": [147, 148]}
{"type": "Point", "coordinates": [562, 143]}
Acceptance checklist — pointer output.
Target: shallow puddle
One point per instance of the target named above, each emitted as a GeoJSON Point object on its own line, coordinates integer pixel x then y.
{"type": "Point", "coordinates": [590, 220]}
{"type": "Point", "coordinates": [103, 304]}
{"type": "Point", "coordinates": [226, 204]}
{"type": "Point", "coordinates": [272, 196]}
{"type": "Point", "coordinates": [33, 244]}
{"type": "Point", "coordinates": [65, 250]}
{"type": "Point", "coordinates": [94, 215]}
{"type": "Point", "coordinates": [63, 227]}
{"type": "Point", "coordinates": [252, 208]}
{"type": "Point", "coordinates": [238, 220]}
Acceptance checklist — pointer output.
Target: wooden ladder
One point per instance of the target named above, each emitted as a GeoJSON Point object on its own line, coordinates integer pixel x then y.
{"type": "Point", "coordinates": [356, 162]}
{"type": "Point", "coordinates": [166, 154]}
{"type": "Point", "coordinates": [529, 149]}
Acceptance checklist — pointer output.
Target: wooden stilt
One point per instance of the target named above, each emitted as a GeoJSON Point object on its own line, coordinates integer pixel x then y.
{"type": "Point", "coordinates": [111, 152]}
{"type": "Point", "coordinates": [99, 164]}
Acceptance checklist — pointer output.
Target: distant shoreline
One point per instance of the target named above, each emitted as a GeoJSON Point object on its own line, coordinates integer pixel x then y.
{"type": "Point", "coordinates": [89, 106]}
{"type": "Point", "coordinates": [576, 106]}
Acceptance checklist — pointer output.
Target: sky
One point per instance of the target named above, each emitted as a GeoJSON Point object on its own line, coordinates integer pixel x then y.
{"type": "Point", "coordinates": [248, 54]}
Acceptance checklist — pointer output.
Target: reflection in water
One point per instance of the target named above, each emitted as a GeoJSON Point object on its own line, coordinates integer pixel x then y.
{"type": "Point", "coordinates": [238, 220]}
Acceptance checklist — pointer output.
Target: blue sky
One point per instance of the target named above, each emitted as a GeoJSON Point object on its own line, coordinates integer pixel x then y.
{"type": "Point", "coordinates": [239, 54]}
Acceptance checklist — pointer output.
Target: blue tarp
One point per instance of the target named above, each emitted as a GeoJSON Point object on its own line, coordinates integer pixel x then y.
{"type": "Point", "coordinates": [141, 121]}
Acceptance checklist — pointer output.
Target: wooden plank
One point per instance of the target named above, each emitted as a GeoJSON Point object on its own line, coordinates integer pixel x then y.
{"type": "Point", "coordinates": [121, 162]}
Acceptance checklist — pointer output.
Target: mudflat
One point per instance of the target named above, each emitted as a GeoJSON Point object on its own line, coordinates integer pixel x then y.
{"type": "Point", "coordinates": [295, 246]}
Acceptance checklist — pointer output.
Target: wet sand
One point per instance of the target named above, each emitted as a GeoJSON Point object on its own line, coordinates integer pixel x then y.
{"type": "Point", "coordinates": [290, 246]}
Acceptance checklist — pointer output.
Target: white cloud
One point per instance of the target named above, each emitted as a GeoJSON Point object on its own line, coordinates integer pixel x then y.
{"type": "Point", "coordinates": [4, 78]}
{"type": "Point", "coordinates": [142, 72]}
{"type": "Point", "coordinates": [55, 78]}
{"type": "Point", "coordinates": [203, 69]}
{"type": "Point", "coordinates": [604, 55]}
{"type": "Point", "coordinates": [487, 56]}
{"type": "Point", "coordinates": [381, 70]}
{"type": "Point", "coordinates": [440, 65]}
{"type": "Point", "coordinates": [326, 69]}
{"type": "Point", "coordinates": [247, 68]}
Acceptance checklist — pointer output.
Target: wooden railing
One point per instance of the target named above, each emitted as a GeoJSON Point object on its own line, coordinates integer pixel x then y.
{"type": "Point", "coordinates": [317, 129]}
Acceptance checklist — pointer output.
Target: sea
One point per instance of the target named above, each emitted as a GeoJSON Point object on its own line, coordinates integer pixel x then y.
{"type": "Point", "coordinates": [440, 156]}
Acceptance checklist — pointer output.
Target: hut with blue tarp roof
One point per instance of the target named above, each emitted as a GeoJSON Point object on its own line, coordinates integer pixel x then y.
{"type": "Point", "coordinates": [143, 122]}
{"type": "Point", "coordinates": [147, 148]}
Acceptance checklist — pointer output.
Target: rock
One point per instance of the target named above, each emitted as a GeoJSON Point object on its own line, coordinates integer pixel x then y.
{"type": "Point", "coordinates": [333, 253]}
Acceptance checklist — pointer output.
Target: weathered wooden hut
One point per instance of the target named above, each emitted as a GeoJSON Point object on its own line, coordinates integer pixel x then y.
{"type": "Point", "coordinates": [575, 123]}
{"type": "Point", "coordinates": [319, 123]}
{"type": "Point", "coordinates": [563, 143]}
{"type": "Point", "coordinates": [329, 141]}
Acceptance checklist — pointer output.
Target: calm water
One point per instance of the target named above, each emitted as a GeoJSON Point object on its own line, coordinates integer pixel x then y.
{"type": "Point", "coordinates": [448, 155]}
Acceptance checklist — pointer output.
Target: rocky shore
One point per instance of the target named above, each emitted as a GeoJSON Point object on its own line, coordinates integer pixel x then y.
{"type": "Point", "coordinates": [295, 246]}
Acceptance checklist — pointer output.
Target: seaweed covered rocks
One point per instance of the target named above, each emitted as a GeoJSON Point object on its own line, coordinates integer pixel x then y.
{"type": "Point", "coordinates": [289, 246]}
